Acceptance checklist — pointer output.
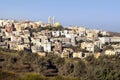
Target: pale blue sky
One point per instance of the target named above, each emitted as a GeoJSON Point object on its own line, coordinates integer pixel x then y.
{"type": "Point", "coordinates": [98, 14]}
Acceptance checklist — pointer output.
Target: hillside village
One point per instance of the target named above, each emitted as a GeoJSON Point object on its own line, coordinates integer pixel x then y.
{"type": "Point", "coordinates": [52, 37]}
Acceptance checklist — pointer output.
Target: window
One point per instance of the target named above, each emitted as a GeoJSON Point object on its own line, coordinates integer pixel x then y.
{"type": "Point", "coordinates": [83, 54]}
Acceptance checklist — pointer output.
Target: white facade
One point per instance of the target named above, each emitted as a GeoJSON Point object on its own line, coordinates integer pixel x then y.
{"type": "Point", "coordinates": [1, 22]}
{"type": "Point", "coordinates": [110, 52]}
{"type": "Point", "coordinates": [98, 44]}
{"type": "Point", "coordinates": [56, 33]}
{"type": "Point", "coordinates": [47, 46]}
{"type": "Point", "coordinates": [109, 39]}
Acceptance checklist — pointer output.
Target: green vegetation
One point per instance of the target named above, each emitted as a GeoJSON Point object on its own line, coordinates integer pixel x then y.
{"type": "Point", "coordinates": [14, 64]}
{"type": "Point", "coordinates": [30, 76]}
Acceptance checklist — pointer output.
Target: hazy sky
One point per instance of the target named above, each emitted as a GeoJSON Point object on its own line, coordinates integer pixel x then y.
{"type": "Point", "coordinates": [98, 14]}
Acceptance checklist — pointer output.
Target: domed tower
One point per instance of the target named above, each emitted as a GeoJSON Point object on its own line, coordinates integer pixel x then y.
{"type": "Point", "coordinates": [56, 24]}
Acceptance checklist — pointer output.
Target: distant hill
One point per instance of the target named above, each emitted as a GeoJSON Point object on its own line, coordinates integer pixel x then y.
{"type": "Point", "coordinates": [115, 34]}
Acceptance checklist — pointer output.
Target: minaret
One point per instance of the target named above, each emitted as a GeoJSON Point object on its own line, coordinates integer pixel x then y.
{"type": "Point", "coordinates": [49, 19]}
{"type": "Point", "coordinates": [53, 19]}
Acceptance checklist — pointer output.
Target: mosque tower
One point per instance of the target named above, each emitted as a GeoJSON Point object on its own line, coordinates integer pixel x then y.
{"type": "Point", "coordinates": [53, 20]}
{"type": "Point", "coordinates": [49, 20]}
